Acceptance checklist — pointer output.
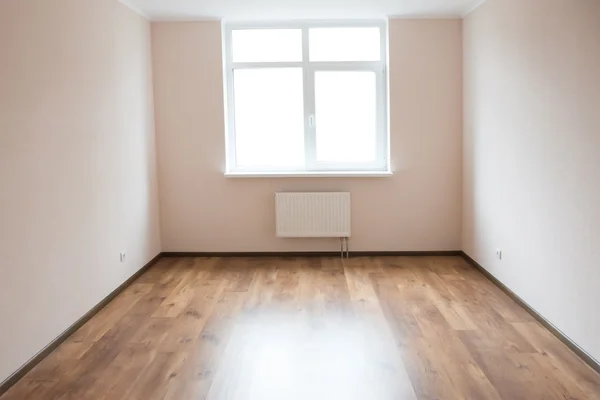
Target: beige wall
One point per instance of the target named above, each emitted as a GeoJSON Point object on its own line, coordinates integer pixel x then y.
{"type": "Point", "coordinates": [532, 155]}
{"type": "Point", "coordinates": [77, 164]}
{"type": "Point", "coordinates": [418, 208]}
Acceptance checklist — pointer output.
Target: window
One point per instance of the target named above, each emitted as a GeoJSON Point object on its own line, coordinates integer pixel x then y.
{"type": "Point", "coordinates": [306, 97]}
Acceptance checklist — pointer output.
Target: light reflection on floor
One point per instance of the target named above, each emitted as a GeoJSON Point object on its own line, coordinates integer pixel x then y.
{"type": "Point", "coordinates": [274, 356]}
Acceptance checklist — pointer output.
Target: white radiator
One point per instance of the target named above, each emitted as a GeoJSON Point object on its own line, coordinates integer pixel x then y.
{"type": "Point", "coordinates": [313, 214]}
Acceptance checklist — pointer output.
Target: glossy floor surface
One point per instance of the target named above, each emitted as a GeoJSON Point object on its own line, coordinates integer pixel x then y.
{"type": "Point", "coordinates": [311, 328]}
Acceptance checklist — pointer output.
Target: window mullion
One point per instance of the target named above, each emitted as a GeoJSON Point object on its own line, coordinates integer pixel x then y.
{"type": "Point", "coordinates": [249, 65]}
{"type": "Point", "coordinates": [310, 152]}
{"type": "Point", "coordinates": [382, 116]}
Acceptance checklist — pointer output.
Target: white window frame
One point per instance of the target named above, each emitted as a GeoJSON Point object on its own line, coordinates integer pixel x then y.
{"type": "Point", "coordinates": [382, 164]}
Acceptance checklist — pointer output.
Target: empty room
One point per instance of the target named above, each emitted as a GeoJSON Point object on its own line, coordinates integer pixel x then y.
{"type": "Point", "coordinates": [299, 199]}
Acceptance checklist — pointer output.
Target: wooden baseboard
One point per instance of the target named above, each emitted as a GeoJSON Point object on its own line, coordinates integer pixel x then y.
{"type": "Point", "coordinates": [588, 359]}
{"type": "Point", "coordinates": [312, 254]}
{"type": "Point", "coordinates": [29, 365]}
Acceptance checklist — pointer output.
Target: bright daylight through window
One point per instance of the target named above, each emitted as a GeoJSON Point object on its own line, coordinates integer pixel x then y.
{"type": "Point", "coordinates": [306, 97]}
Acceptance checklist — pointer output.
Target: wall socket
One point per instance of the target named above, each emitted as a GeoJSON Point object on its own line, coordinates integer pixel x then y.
{"type": "Point", "coordinates": [499, 254]}
{"type": "Point", "coordinates": [122, 256]}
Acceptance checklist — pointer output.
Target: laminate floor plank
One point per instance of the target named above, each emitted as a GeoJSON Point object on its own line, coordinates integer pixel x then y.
{"type": "Point", "coordinates": [376, 328]}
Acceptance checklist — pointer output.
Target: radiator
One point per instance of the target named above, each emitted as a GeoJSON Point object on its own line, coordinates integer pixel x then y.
{"type": "Point", "coordinates": [313, 214]}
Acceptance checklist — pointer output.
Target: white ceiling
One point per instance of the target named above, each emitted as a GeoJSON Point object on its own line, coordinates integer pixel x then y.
{"type": "Point", "coordinates": [298, 9]}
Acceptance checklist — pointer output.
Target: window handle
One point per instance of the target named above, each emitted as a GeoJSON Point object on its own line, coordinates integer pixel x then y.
{"type": "Point", "coordinates": [311, 120]}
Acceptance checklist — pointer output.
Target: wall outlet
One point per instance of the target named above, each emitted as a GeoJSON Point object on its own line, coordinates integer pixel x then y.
{"type": "Point", "coordinates": [499, 254]}
{"type": "Point", "coordinates": [122, 256]}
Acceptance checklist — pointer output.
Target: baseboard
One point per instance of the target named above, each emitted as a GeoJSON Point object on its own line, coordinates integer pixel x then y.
{"type": "Point", "coordinates": [312, 254]}
{"type": "Point", "coordinates": [588, 359]}
{"type": "Point", "coordinates": [29, 365]}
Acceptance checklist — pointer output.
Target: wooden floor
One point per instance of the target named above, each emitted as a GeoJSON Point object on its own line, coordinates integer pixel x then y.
{"type": "Point", "coordinates": [286, 329]}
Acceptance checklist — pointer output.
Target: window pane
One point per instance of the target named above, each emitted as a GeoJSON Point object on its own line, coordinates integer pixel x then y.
{"type": "Point", "coordinates": [346, 116]}
{"type": "Point", "coordinates": [269, 117]}
{"type": "Point", "coordinates": [267, 45]}
{"type": "Point", "coordinates": [345, 44]}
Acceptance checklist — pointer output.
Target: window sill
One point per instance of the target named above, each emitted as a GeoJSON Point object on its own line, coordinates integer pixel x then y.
{"type": "Point", "coordinates": [313, 174]}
